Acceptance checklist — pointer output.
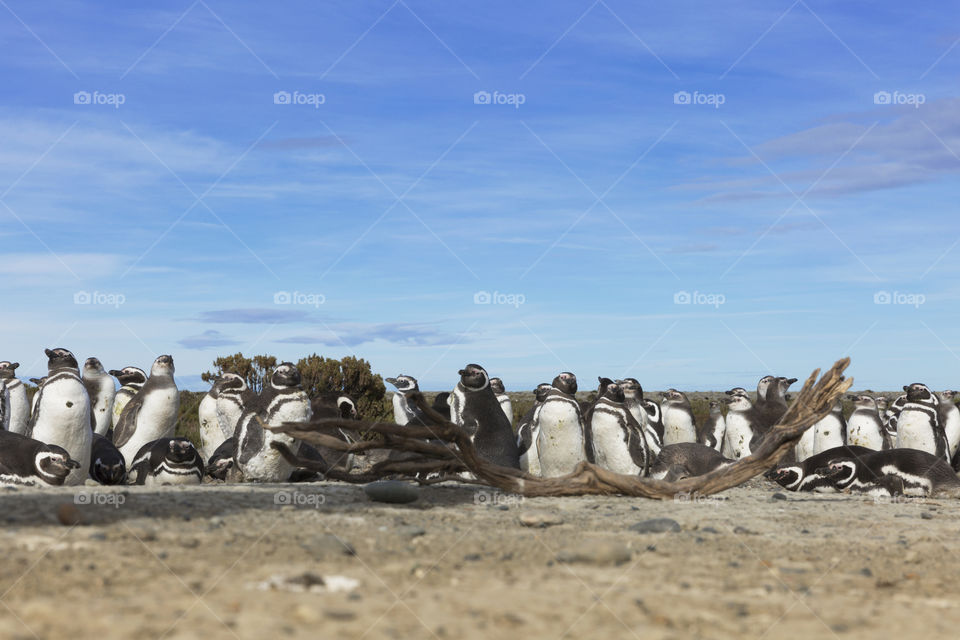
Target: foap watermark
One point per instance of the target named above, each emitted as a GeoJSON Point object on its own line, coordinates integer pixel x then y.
{"type": "Point", "coordinates": [710, 99]}
{"type": "Point", "coordinates": [512, 99]}
{"type": "Point", "coordinates": [698, 297]}
{"type": "Point", "coordinates": [299, 298]}
{"type": "Point", "coordinates": [115, 500]}
{"type": "Point", "coordinates": [899, 98]}
{"type": "Point", "coordinates": [299, 499]}
{"type": "Point", "coordinates": [96, 98]}
{"type": "Point", "coordinates": [298, 97]}
{"type": "Point", "coordinates": [496, 498]}
{"type": "Point", "coordinates": [510, 299]}
{"type": "Point", "coordinates": [899, 297]}
{"type": "Point", "coordinates": [99, 298]}
{"type": "Point", "coordinates": [698, 499]}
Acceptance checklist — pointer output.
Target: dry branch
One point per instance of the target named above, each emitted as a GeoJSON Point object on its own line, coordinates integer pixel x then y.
{"type": "Point", "coordinates": [443, 448]}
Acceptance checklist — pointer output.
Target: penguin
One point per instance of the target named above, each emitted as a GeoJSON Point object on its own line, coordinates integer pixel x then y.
{"type": "Point", "coordinates": [28, 461]}
{"type": "Point", "coordinates": [864, 427]}
{"type": "Point", "coordinates": [211, 435]}
{"type": "Point", "coordinates": [613, 435]}
{"type": "Point", "coordinates": [809, 474]}
{"type": "Point", "coordinates": [131, 380]}
{"type": "Point", "coordinates": [528, 434]}
{"type": "Point", "coordinates": [152, 413]}
{"type": "Point", "coordinates": [107, 465]}
{"type": "Point", "coordinates": [16, 406]}
{"type": "Point", "coordinates": [231, 398]}
{"type": "Point", "coordinates": [891, 415]}
{"type": "Point", "coordinates": [949, 416]}
{"type": "Point", "coordinates": [678, 421]}
{"type": "Point", "coordinates": [37, 382]}
{"type": "Point", "coordinates": [908, 472]}
{"type": "Point", "coordinates": [221, 461]}
{"type": "Point", "coordinates": [739, 425]}
{"type": "Point", "coordinates": [497, 385]}
{"type": "Point", "coordinates": [167, 461]}
{"type": "Point", "coordinates": [637, 405]}
{"type": "Point", "coordinates": [918, 424]}
{"type": "Point", "coordinates": [475, 409]}
{"type": "Point", "coordinates": [686, 460]}
{"type": "Point", "coordinates": [63, 412]}
{"type": "Point", "coordinates": [711, 431]}
{"type": "Point", "coordinates": [283, 400]}
{"type": "Point", "coordinates": [102, 390]}
{"type": "Point", "coordinates": [441, 404]}
{"type": "Point", "coordinates": [559, 427]}
{"type": "Point", "coordinates": [774, 404]}
{"type": "Point", "coordinates": [405, 411]}
{"type": "Point", "coordinates": [830, 431]}
{"type": "Point", "coordinates": [764, 385]}
{"type": "Point", "coordinates": [327, 406]}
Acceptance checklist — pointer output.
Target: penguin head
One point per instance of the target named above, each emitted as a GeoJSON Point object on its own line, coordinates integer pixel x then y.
{"type": "Point", "coordinates": [863, 401]}
{"type": "Point", "coordinates": [109, 473]}
{"type": "Point", "coordinates": [736, 391]}
{"type": "Point", "coordinates": [714, 406]}
{"type": "Point", "coordinates": [497, 385]}
{"type": "Point", "coordinates": [566, 382]}
{"type": "Point", "coordinates": [787, 477]}
{"type": "Point", "coordinates": [764, 384]}
{"type": "Point", "coordinates": [232, 381]}
{"type": "Point", "coordinates": [347, 408]}
{"type": "Point", "coordinates": [631, 388]}
{"type": "Point", "coordinates": [738, 402]}
{"type": "Point", "coordinates": [783, 384]}
{"type": "Point", "coordinates": [946, 396]}
{"type": "Point", "coordinates": [60, 358]}
{"type": "Point", "coordinates": [917, 392]}
{"type": "Point", "coordinates": [180, 450]}
{"type": "Point", "coordinates": [672, 396]}
{"type": "Point", "coordinates": [542, 391]}
{"type": "Point", "coordinates": [54, 464]}
{"type": "Point", "coordinates": [8, 369]}
{"type": "Point", "coordinates": [602, 384]}
{"type": "Point", "coordinates": [404, 383]}
{"type": "Point", "coordinates": [162, 366]}
{"type": "Point", "coordinates": [839, 470]}
{"type": "Point", "coordinates": [614, 392]}
{"type": "Point", "coordinates": [285, 376]}
{"type": "Point", "coordinates": [474, 377]}
{"type": "Point", "coordinates": [92, 366]}
{"type": "Point", "coordinates": [129, 375]}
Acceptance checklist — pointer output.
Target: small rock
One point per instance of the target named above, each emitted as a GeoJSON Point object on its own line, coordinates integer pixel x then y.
{"type": "Point", "coordinates": [392, 491]}
{"type": "Point", "coordinates": [340, 614]}
{"type": "Point", "coordinates": [68, 514]}
{"type": "Point", "coordinates": [189, 543]}
{"type": "Point", "coordinates": [410, 531]}
{"type": "Point", "coordinates": [540, 519]}
{"type": "Point", "coordinates": [327, 544]}
{"type": "Point", "coordinates": [599, 553]}
{"type": "Point", "coordinates": [98, 535]}
{"type": "Point", "coordinates": [911, 556]}
{"type": "Point", "coordinates": [216, 522]}
{"type": "Point", "coordinates": [90, 482]}
{"type": "Point", "coordinates": [778, 496]}
{"type": "Point", "coordinates": [472, 557]}
{"type": "Point", "coordinates": [926, 515]}
{"type": "Point", "coordinates": [656, 525]}
{"type": "Point", "coordinates": [709, 530]}
{"type": "Point", "coordinates": [744, 531]}
{"type": "Point", "coordinates": [305, 614]}
{"type": "Point", "coordinates": [866, 572]}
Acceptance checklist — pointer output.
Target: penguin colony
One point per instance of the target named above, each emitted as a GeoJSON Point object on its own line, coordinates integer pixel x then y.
{"type": "Point", "coordinates": [81, 427]}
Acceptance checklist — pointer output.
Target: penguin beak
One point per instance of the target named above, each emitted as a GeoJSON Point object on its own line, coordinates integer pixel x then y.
{"type": "Point", "coordinates": [392, 381]}
{"type": "Point", "coordinates": [72, 464]}
{"type": "Point", "coordinates": [461, 372]}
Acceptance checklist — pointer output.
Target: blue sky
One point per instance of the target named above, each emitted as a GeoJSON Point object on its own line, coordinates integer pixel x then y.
{"type": "Point", "coordinates": [383, 198]}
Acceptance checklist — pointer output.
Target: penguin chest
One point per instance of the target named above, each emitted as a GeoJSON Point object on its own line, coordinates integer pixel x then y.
{"type": "Point", "coordinates": [915, 430]}
{"type": "Point", "coordinates": [610, 443]}
{"type": "Point", "coordinates": [864, 431]}
{"type": "Point", "coordinates": [559, 438]}
{"type": "Point", "coordinates": [827, 434]}
{"type": "Point", "coordinates": [211, 436]}
{"type": "Point", "coordinates": [399, 411]}
{"type": "Point", "coordinates": [267, 465]}
{"type": "Point", "coordinates": [173, 473]}
{"type": "Point", "coordinates": [229, 411]}
{"type": "Point", "coordinates": [736, 438]}
{"type": "Point", "coordinates": [158, 415]}
{"type": "Point", "coordinates": [64, 409]}
{"type": "Point", "coordinates": [678, 426]}
{"type": "Point", "coordinates": [951, 425]}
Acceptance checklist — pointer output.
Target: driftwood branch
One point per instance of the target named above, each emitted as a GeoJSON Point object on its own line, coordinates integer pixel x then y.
{"type": "Point", "coordinates": [443, 448]}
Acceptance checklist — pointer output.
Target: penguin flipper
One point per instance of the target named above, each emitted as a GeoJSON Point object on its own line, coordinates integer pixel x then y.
{"type": "Point", "coordinates": [251, 441]}
{"type": "Point", "coordinates": [128, 422]}
{"type": "Point", "coordinates": [637, 447]}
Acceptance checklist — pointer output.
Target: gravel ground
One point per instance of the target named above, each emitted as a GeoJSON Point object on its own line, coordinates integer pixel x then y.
{"type": "Point", "coordinates": [293, 561]}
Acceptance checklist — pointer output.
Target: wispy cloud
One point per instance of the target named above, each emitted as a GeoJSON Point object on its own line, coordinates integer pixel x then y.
{"type": "Point", "coordinates": [207, 340]}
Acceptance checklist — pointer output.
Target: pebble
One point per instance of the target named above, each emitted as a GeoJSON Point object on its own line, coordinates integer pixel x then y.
{"type": "Point", "coordinates": [305, 614]}
{"type": "Point", "coordinates": [392, 491]}
{"type": "Point", "coordinates": [778, 496]}
{"type": "Point", "coordinates": [216, 522]}
{"type": "Point", "coordinates": [410, 531]}
{"type": "Point", "coordinates": [98, 535]}
{"type": "Point", "coordinates": [597, 552]}
{"type": "Point", "coordinates": [926, 515]}
{"type": "Point", "coordinates": [340, 614]}
{"type": "Point", "coordinates": [327, 544]}
{"type": "Point", "coordinates": [68, 514]}
{"type": "Point", "coordinates": [656, 525]}
{"type": "Point", "coordinates": [539, 519]}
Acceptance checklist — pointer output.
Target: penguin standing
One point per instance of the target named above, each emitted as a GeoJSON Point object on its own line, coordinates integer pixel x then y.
{"type": "Point", "coordinates": [528, 432]}
{"type": "Point", "coordinates": [16, 406]}
{"type": "Point", "coordinates": [892, 472]}
{"type": "Point", "coordinates": [283, 400]}
{"type": "Point", "coordinates": [231, 398]}
{"type": "Point", "coordinates": [864, 427]}
{"type": "Point", "coordinates": [559, 427]}
{"type": "Point", "coordinates": [775, 402]}
{"type": "Point", "coordinates": [633, 397]}
{"type": "Point", "coordinates": [152, 413]}
{"type": "Point", "coordinates": [28, 461]}
{"type": "Point", "coordinates": [613, 435]}
{"type": "Point", "coordinates": [441, 404]}
{"type": "Point", "coordinates": [918, 424]}
{"type": "Point", "coordinates": [211, 435]}
{"type": "Point", "coordinates": [497, 385]}
{"type": "Point", "coordinates": [950, 419]}
{"type": "Point", "coordinates": [475, 409]}
{"type": "Point", "coordinates": [107, 465]}
{"type": "Point", "coordinates": [760, 408]}
{"type": "Point", "coordinates": [404, 410]}
{"type": "Point", "coordinates": [131, 380]}
{"type": "Point", "coordinates": [167, 461]}
{"type": "Point", "coordinates": [101, 389]}
{"type": "Point", "coordinates": [713, 428]}
{"type": "Point", "coordinates": [739, 425]}
{"type": "Point", "coordinates": [63, 412]}
{"type": "Point", "coordinates": [678, 421]}
{"type": "Point", "coordinates": [830, 431]}
{"type": "Point", "coordinates": [811, 474]}
{"type": "Point", "coordinates": [891, 414]}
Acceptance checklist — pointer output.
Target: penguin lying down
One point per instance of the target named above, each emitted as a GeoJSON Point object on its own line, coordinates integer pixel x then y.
{"type": "Point", "coordinates": [686, 460]}
{"type": "Point", "coordinates": [27, 461]}
{"type": "Point", "coordinates": [808, 475]}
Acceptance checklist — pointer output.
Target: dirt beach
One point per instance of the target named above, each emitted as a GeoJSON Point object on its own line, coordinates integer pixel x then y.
{"type": "Point", "coordinates": [294, 561]}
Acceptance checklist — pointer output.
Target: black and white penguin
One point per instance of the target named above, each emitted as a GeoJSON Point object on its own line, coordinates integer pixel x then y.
{"type": "Point", "coordinates": [167, 461]}
{"type": "Point", "coordinates": [830, 431]}
{"type": "Point", "coordinates": [16, 406]}
{"type": "Point", "coordinates": [405, 411]}
{"type": "Point", "coordinates": [497, 385]}
{"type": "Point", "coordinates": [327, 406]}
{"type": "Point", "coordinates": [891, 415]}
{"type": "Point", "coordinates": [474, 408]}
{"type": "Point", "coordinates": [739, 425]}
{"type": "Point", "coordinates": [152, 413]}
{"type": "Point", "coordinates": [908, 472]}
{"type": "Point", "coordinates": [63, 412]}
{"type": "Point", "coordinates": [864, 427]}
{"type": "Point", "coordinates": [950, 420]}
{"type": "Point", "coordinates": [231, 399]}
{"type": "Point", "coordinates": [527, 434]}
{"type": "Point", "coordinates": [809, 474]}
{"type": "Point", "coordinates": [220, 463]}
{"type": "Point", "coordinates": [28, 461]}
{"type": "Point", "coordinates": [282, 400]}
{"type": "Point", "coordinates": [211, 435]}
{"type": "Point", "coordinates": [638, 406]}
{"type": "Point", "coordinates": [559, 427]}
{"type": "Point", "coordinates": [769, 412]}
{"type": "Point", "coordinates": [441, 404]}
{"type": "Point", "coordinates": [131, 380]}
{"type": "Point", "coordinates": [918, 425]}
{"type": "Point", "coordinates": [107, 465]}
{"type": "Point", "coordinates": [612, 435]}
{"type": "Point", "coordinates": [101, 388]}
{"type": "Point", "coordinates": [686, 460]}
{"type": "Point", "coordinates": [679, 424]}
{"type": "Point", "coordinates": [37, 382]}
{"type": "Point", "coordinates": [710, 433]}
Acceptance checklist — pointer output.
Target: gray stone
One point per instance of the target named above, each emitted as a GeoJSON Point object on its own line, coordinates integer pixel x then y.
{"type": "Point", "coordinates": [601, 552]}
{"type": "Point", "coordinates": [657, 525]}
{"type": "Point", "coordinates": [392, 491]}
{"type": "Point", "coordinates": [539, 519]}
{"type": "Point", "coordinates": [410, 531]}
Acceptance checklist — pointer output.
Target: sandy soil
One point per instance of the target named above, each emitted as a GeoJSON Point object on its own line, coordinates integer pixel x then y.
{"type": "Point", "coordinates": [458, 563]}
